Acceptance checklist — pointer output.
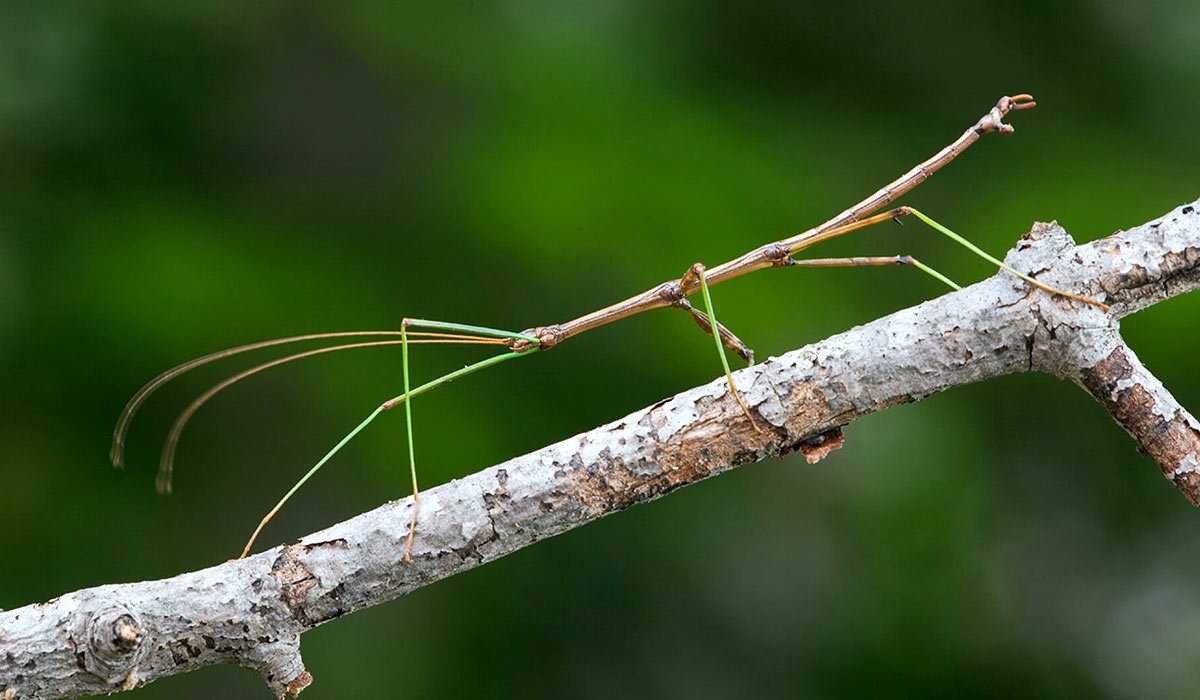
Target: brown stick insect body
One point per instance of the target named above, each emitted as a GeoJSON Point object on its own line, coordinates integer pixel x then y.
{"type": "Point", "coordinates": [673, 293]}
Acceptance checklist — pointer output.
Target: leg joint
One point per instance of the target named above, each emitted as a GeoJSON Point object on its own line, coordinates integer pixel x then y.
{"type": "Point", "coordinates": [675, 292]}
{"type": "Point", "coordinates": [672, 293]}
{"type": "Point", "coordinates": [547, 337]}
{"type": "Point", "coordinates": [777, 255]}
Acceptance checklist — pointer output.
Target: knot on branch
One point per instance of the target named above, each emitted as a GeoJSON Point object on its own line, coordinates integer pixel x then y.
{"type": "Point", "coordinates": [114, 644]}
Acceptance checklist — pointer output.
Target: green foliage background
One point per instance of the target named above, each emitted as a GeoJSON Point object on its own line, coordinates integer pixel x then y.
{"type": "Point", "coordinates": [177, 178]}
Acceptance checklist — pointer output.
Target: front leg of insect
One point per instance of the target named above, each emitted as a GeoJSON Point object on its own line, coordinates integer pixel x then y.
{"type": "Point", "coordinates": [408, 431]}
{"type": "Point", "coordinates": [452, 332]}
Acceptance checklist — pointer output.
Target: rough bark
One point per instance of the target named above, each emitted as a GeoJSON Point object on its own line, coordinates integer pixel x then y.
{"type": "Point", "coordinates": [251, 612]}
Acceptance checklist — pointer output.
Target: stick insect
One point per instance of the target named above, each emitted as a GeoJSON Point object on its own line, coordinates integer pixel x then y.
{"type": "Point", "coordinates": [670, 294]}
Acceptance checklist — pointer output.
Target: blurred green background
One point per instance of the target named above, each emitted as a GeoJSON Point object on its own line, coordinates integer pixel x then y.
{"type": "Point", "coordinates": [178, 178]}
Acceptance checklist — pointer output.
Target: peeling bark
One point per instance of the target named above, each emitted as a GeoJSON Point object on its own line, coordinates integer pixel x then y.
{"type": "Point", "coordinates": [251, 612]}
{"type": "Point", "coordinates": [1137, 401]}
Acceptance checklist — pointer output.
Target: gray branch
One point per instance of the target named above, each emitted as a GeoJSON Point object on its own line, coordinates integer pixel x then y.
{"type": "Point", "coordinates": [251, 612]}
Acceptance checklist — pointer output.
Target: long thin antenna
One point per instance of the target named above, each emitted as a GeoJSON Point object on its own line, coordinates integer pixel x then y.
{"type": "Point", "coordinates": [117, 452]}
{"type": "Point", "coordinates": [166, 465]}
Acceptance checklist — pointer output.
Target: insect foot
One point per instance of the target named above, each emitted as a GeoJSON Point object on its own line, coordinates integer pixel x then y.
{"type": "Point", "coordinates": [994, 119]}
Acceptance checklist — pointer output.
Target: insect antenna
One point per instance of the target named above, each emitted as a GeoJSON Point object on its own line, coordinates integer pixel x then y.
{"type": "Point", "coordinates": [166, 464]}
{"type": "Point", "coordinates": [117, 452]}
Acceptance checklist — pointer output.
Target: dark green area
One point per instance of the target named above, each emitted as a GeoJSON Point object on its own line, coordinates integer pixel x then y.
{"type": "Point", "coordinates": [179, 178]}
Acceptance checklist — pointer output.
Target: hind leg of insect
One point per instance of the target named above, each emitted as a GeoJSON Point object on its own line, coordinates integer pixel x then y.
{"type": "Point", "coordinates": [725, 338]}
{"type": "Point", "coordinates": [808, 239]}
{"type": "Point", "coordinates": [874, 262]}
{"type": "Point", "coordinates": [998, 263]}
{"type": "Point", "coordinates": [457, 330]}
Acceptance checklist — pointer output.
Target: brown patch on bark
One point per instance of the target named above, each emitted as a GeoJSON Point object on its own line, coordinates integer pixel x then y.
{"type": "Point", "coordinates": [299, 683]}
{"type": "Point", "coordinates": [808, 408]}
{"type": "Point", "coordinates": [1138, 281]}
{"type": "Point", "coordinates": [130, 681]}
{"type": "Point", "coordinates": [1108, 372]}
{"type": "Point", "coordinates": [295, 579]}
{"type": "Point", "coordinates": [1189, 484]}
{"type": "Point", "coordinates": [816, 449]}
{"type": "Point", "coordinates": [1172, 442]}
{"type": "Point", "coordinates": [1039, 230]}
{"type": "Point", "coordinates": [1181, 266]}
{"type": "Point", "coordinates": [719, 439]}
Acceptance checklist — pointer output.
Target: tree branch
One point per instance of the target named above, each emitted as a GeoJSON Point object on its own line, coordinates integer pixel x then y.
{"type": "Point", "coordinates": [251, 612]}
